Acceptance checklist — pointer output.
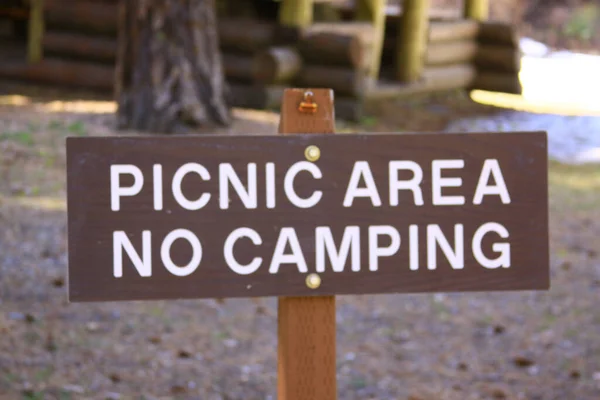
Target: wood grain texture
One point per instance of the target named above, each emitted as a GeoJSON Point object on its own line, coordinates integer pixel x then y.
{"type": "Point", "coordinates": [323, 121]}
{"type": "Point", "coordinates": [306, 360]}
{"type": "Point", "coordinates": [306, 357]}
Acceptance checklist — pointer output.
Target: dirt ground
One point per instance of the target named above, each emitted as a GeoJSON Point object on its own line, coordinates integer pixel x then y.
{"type": "Point", "coordinates": [529, 345]}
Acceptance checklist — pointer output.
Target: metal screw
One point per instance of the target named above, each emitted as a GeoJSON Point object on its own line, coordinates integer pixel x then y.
{"type": "Point", "coordinates": [313, 281]}
{"type": "Point", "coordinates": [312, 153]}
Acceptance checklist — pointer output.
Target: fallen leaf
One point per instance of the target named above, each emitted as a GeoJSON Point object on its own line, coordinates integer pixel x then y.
{"type": "Point", "coordinates": [58, 282]}
{"type": "Point", "coordinates": [523, 361]}
{"type": "Point", "coordinates": [499, 329]}
{"type": "Point", "coordinates": [575, 374]}
{"type": "Point", "coordinates": [462, 366]}
{"type": "Point", "coordinates": [178, 389]}
{"type": "Point", "coordinates": [184, 354]}
{"type": "Point", "coordinates": [114, 377]}
{"type": "Point", "coordinates": [155, 339]}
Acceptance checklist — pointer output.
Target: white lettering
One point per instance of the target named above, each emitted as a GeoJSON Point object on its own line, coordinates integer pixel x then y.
{"type": "Point", "coordinates": [176, 186]}
{"type": "Point", "coordinates": [411, 184]}
{"type": "Point", "coordinates": [143, 264]}
{"type": "Point", "coordinates": [165, 252]}
{"type": "Point", "coordinates": [362, 170]}
{"type": "Point", "coordinates": [503, 259]}
{"type": "Point", "coordinates": [227, 175]}
{"type": "Point", "coordinates": [325, 246]}
{"type": "Point", "coordinates": [288, 184]}
{"type": "Point", "coordinates": [375, 251]}
{"type": "Point", "coordinates": [491, 167]}
{"type": "Point", "coordinates": [413, 241]}
{"type": "Point", "coordinates": [436, 236]}
{"type": "Point", "coordinates": [116, 191]}
{"type": "Point", "coordinates": [438, 182]}
{"type": "Point", "coordinates": [158, 187]}
{"type": "Point", "coordinates": [230, 258]}
{"type": "Point", "coordinates": [270, 184]}
{"type": "Point", "coordinates": [287, 235]}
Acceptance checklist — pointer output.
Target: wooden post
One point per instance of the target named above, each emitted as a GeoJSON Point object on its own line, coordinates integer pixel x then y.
{"type": "Point", "coordinates": [374, 12]}
{"type": "Point", "coordinates": [477, 10]}
{"type": "Point", "coordinates": [412, 40]}
{"type": "Point", "coordinates": [296, 13]}
{"type": "Point", "coordinates": [36, 31]}
{"type": "Point", "coordinates": [306, 360]}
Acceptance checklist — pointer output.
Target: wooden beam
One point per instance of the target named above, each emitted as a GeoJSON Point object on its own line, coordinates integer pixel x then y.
{"type": "Point", "coordinates": [491, 58]}
{"type": "Point", "coordinates": [343, 80]}
{"type": "Point", "coordinates": [330, 48]}
{"type": "Point", "coordinates": [255, 96]}
{"type": "Point", "coordinates": [454, 30]}
{"type": "Point", "coordinates": [306, 359]}
{"type": "Point", "coordinates": [83, 16]}
{"type": "Point", "coordinates": [277, 65]}
{"type": "Point", "coordinates": [36, 31]}
{"type": "Point", "coordinates": [450, 53]}
{"type": "Point", "coordinates": [412, 40]}
{"type": "Point", "coordinates": [62, 73]}
{"type": "Point", "coordinates": [498, 82]}
{"type": "Point", "coordinates": [373, 11]}
{"type": "Point", "coordinates": [80, 45]}
{"type": "Point", "coordinates": [477, 9]}
{"type": "Point", "coordinates": [238, 66]}
{"type": "Point", "coordinates": [498, 33]}
{"type": "Point", "coordinates": [296, 13]}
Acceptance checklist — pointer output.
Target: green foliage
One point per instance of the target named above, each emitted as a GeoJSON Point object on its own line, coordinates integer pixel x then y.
{"type": "Point", "coordinates": [368, 121]}
{"type": "Point", "coordinates": [77, 128]}
{"type": "Point", "coordinates": [582, 23]}
{"type": "Point", "coordinates": [43, 374]}
{"type": "Point", "coordinates": [23, 137]}
{"type": "Point", "coordinates": [359, 383]}
{"type": "Point", "coordinates": [33, 396]}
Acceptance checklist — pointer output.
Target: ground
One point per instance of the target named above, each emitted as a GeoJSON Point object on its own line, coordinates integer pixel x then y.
{"type": "Point", "coordinates": [529, 345]}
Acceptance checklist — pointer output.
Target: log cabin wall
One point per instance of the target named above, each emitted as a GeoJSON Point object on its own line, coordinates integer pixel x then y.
{"type": "Point", "coordinates": [261, 57]}
{"type": "Point", "coordinates": [463, 54]}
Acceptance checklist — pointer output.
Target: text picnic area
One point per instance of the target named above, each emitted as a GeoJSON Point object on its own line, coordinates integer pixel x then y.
{"type": "Point", "coordinates": [244, 216]}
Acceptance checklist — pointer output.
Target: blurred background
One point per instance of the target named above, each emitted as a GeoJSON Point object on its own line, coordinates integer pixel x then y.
{"type": "Point", "coordinates": [89, 68]}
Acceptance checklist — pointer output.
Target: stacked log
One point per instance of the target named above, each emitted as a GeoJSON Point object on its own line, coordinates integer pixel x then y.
{"type": "Point", "coordinates": [472, 55]}
{"type": "Point", "coordinates": [498, 60]}
{"type": "Point", "coordinates": [464, 54]}
{"type": "Point", "coordinates": [93, 17]}
{"type": "Point", "coordinates": [79, 46]}
{"type": "Point", "coordinates": [84, 31]}
{"type": "Point", "coordinates": [323, 55]}
{"type": "Point", "coordinates": [62, 72]}
{"type": "Point", "coordinates": [337, 56]}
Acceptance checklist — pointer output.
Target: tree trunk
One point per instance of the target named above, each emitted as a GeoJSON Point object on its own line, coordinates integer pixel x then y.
{"type": "Point", "coordinates": [169, 71]}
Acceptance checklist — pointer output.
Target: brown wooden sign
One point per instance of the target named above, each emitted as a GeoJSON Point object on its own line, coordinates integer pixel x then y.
{"type": "Point", "coordinates": [302, 215]}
